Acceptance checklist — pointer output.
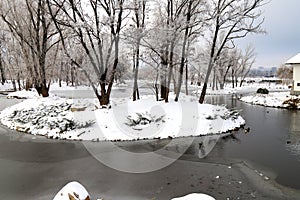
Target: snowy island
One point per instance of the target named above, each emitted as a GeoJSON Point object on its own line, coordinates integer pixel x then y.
{"type": "Point", "coordinates": [81, 119]}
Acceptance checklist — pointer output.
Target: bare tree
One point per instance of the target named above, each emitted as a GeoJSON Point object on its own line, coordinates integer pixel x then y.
{"type": "Point", "coordinates": [95, 25]}
{"type": "Point", "coordinates": [34, 31]}
{"type": "Point", "coordinates": [191, 13]}
{"type": "Point", "coordinates": [246, 63]}
{"type": "Point", "coordinates": [230, 20]}
{"type": "Point", "coordinates": [286, 73]}
{"type": "Point", "coordinates": [139, 21]}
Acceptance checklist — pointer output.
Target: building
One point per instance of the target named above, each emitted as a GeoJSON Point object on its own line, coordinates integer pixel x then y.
{"type": "Point", "coordinates": [295, 62]}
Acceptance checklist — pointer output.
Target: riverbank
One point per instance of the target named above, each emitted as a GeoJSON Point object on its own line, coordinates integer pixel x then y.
{"type": "Point", "coordinates": [274, 99]}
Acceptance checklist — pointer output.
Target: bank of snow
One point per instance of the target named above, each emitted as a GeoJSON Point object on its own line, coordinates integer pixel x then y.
{"type": "Point", "coordinates": [276, 99]}
{"type": "Point", "coordinates": [61, 118]}
{"type": "Point", "coordinates": [246, 88]}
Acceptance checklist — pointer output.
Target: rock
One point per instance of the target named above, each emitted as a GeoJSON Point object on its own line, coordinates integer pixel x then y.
{"type": "Point", "coordinates": [73, 109]}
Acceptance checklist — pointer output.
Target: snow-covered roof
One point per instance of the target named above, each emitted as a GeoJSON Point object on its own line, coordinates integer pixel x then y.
{"type": "Point", "coordinates": [294, 60]}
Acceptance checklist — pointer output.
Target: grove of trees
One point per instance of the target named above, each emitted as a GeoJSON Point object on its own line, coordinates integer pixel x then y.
{"type": "Point", "coordinates": [98, 41]}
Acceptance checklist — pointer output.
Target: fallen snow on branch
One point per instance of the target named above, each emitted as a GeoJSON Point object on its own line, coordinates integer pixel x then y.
{"type": "Point", "coordinates": [61, 118]}
{"type": "Point", "coordinates": [276, 99]}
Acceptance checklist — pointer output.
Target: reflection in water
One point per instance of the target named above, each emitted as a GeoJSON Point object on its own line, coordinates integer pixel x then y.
{"type": "Point", "coordinates": [295, 128]}
{"type": "Point", "coordinates": [200, 147]}
{"type": "Point", "coordinates": [293, 142]}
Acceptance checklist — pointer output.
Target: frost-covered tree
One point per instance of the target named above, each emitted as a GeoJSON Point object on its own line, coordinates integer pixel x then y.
{"type": "Point", "coordinates": [229, 20]}
{"type": "Point", "coordinates": [95, 25]}
{"type": "Point", "coordinates": [246, 63]}
{"type": "Point", "coordinates": [136, 32]}
{"type": "Point", "coordinates": [31, 25]}
{"type": "Point", "coordinates": [170, 38]}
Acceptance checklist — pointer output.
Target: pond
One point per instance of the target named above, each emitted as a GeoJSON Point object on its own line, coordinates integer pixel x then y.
{"type": "Point", "coordinates": [272, 143]}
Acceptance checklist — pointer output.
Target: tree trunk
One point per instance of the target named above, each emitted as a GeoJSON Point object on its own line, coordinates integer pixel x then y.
{"type": "Point", "coordinates": [186, 76]}
{"type": "Point", "coordinates": [19, 81]}
{"type": "Point", "coordinates": [163, 81]}
{"type": "Point", "coordinates": [14, 85]}
{"type": "Point", "coordinates": [203, 93]}
{"type": "Point", "coordinates": [183, 53]}
{"type": "Point", "coordinates": [2, 71]}
{"type": "Point", "coordinates": [170, 71]}
{"type": "Point", "coordinates": [136, 94]}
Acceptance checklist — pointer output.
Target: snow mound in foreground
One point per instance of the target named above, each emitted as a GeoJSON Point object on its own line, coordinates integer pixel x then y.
{"type": "Point", "coordinates": [73, 191]}
{"type": "Point", "coordinates": [195, 196]}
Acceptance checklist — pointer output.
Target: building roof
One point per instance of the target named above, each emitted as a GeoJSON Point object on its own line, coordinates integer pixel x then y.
{"type": "Point", "coordinates": [294, 60]}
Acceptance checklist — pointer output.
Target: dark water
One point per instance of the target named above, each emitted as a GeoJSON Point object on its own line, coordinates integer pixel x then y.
{"type": "Point", "coordinates": [273, 142]}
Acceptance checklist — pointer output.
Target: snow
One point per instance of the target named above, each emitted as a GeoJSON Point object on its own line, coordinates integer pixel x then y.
{"type": "Point", "coordinates": [64, 87]}
{"type": "Point", "coordinates": [195, 196]}
{"type": "Point", "coordinates": [51, 117]}
{"type": "Point", "coordinates": [23, 94]}
{"type": "Point", "coordinates": [74, 191]}
{"type": "Point", "coordinates": [294, 60]}
{"type": "Point", "coordinates": [246, 88]}
{"type": "Point", "coordinates": [81, 119]}
{"type": "Point", "coordinates": [275, 99]}
{"type": "Point", "coordinates": [6, 86]}
{"type": "Point", "coordinates": [55, 87]}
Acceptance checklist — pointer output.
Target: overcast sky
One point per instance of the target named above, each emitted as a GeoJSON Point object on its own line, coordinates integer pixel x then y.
{"type": "Point", "coordinates": [282, 41]}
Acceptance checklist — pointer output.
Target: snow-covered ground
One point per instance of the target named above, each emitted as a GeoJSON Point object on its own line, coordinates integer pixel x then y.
{"type": "Point", "coordinates": [55, 86]}
{"type": "Point", "coordinates": [274, 99]}
{"type": "Point", "coordinates": [246, 88]}
{"type": "Point", "coordinates": [81, 119]}
{"type": "Point", "coordinates": [23, 94]}
{"type": "Point", "coordinates": [6, 86]}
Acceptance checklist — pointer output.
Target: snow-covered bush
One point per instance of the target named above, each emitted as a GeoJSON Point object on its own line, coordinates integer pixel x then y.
{"type": "Point", "coordinates": [138, 121]}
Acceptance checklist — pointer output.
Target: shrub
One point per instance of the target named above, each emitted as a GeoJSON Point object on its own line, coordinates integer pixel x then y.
{"type": "Point", "coordinates": [262, 91]}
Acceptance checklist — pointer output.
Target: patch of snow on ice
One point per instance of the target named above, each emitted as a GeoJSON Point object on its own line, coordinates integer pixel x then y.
{"type": "Point", "coordinates": [195, 196]}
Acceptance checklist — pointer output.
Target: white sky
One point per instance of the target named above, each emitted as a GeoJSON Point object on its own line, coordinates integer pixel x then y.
{"type": "Point", "coordinates": [282, 41]}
